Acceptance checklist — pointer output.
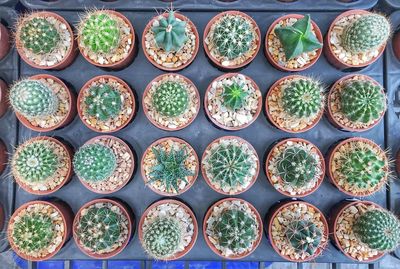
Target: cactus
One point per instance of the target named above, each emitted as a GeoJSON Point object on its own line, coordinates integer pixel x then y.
{"type": "Point", "coordinates": [170, 34]}
{"type": "Point", "coordinates": [366, 33]}
{"type": "Point", "coordinates": [33, 98]}
{"type": "Point", "coordinates": [304, 236]}
{"type": "Point", "coordinates": [362, 101]}
{"type": "Point", "coordinates": [39, 36]}
{"type": "Point", "coordinates": [103, 102]}
{"type": "Point", "coordinates": [298, 38]}
{"type": "Point", "coordinates": [94, 162]}
{"type": "Point", "coordinates": [162, 237]}
{"type": "Point", "coordinates": [378, 229]}
{"type": "Point", "coordinates": [303, 98]}
{"type": "Point", "coordinates": [233, 36]}
{"type": "Point", "coordinates": [234, 96]}
{"type": "Point", "coordinates": [170, 99]}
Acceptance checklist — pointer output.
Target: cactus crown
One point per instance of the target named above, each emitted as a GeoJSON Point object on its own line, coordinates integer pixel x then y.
{"type": "Point", "coordinates": [234, 96]}
{"type": "Point", "coordinates": [362, 101]}
{"type": "Point", "coordinates": [378, 229]}
{"type": "Point", "coordinates": [171, 99]}
{"type": "Point", "coordinates": [304, 236]}
{"type": "Point", "coordinates": [103, 102]}
{"type": "Point", "coordinates": [366, 33]}
{"type": "Point", "coordinates": [233, 36]}
{"type": "Point", "coordinates": [298, 38]}
{"type": "Point", "coordinates": [33, 98]}
{"type": "Point", "coordinates": [94, 162]}
{"type": "Point", "coordinates": [39, 36]}
{"type": "Point", "coordinates": [170, 34]}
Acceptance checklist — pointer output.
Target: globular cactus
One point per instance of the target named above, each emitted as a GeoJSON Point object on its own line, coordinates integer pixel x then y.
{"type": "Point", "coordinates": [362, 101]}
{"type": "Point", "coordinates": [378, 229]}
{"type": "Point", "coordinates": [39, 36]}
{"type": "Point", "coordinates": [366, 33]}
{"type": "Point", "coordinates": [94, 162]}
{"type": "Point", "coordinates": [170, 34]}
{"type": "Point", "coordinates": [103, 102]}
{"type": "Point", "coordinates": [162, 237]}
{"type": "Point", "coordinates": [32, 98]}
{"type": "Point", "coordinates": [304, 236]}
{"type": "Point", "coordinates": [170, 99]}
{"type": "Point", "coordinates": [234, 96]}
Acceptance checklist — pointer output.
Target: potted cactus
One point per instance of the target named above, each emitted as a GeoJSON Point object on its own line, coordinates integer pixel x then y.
{"type": "Point", "coordinates": [104, 164]}
{"type": "Point", "coordinates": [356, 38]}
{"type": "Point", "coordinates": [356, 103]}
{"type": "Point", "coordinates": [168, 230]}
{"type": "Point", "coordinates": [45, 40]}
{"type": "Point", "coordinates": [293, 43]}
{"type": "Point", "coordinates": [230, 165]}
{"type": "Point", "coordinates": [42, 165]}
{"type": "Point", "coordinates": [231, 39]}
{"type": "Point", "coordinates": [297, 230]}
{"type": "Point", "coordinates": [169, 166]}
{"type": "Point", "coordinates": [295, 103]}
{"type": "Point", "coordinates": [4, 41]}
{"type": "Point", "coordinates": [295, 167]}
{"type": "Point", "coordinates": [42, 103]}
{"type": "Point", "coordinates": [103, 227]}
{"type": "Point", "coordinates": [106, 104]}
{"type": "Point", "coordinates": [3, 97]}
{"type": "Point", "coordinates": [171, 102]}
{"type": "Point", "coordinates": [39, 229]}
{"type": "Point", "coordinates": [233, 101]}
{"type": "Point", "coordinates": [3, 156]}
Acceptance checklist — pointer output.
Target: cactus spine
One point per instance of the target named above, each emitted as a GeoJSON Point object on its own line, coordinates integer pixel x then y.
{"type": "Point", "coordinates": [304, 236]}
{"type": "Point", "coordinates": [171, 99]}
{"type": "Point", "coordinates": [170, 34]}
{"type": "Point", "coordinates": [234, 96]}
{"type": "Point", "coordinates": [103, 102]}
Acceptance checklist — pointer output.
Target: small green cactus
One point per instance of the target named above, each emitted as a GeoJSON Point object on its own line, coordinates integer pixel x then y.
{"type": "Point", "coordinates": [362, 101]}
{"type": "Point", "coordinates": [94, 162]}
{"type": "Point", "coordinates": [171, 99]}
{"type": "Point", "coordinates": [170, 34]}
{"type": "Point", "coordinates": [366, 33]}
{"type": "Point", "coordinates": [304, 236]}
{"type": "Point", "coordinates": [234, 96]}
{"type": "Point", "coordinates": [103, 102]}
{"type": "Point", "coordinates": [298, 38]}
{"type": "Point", "coordinates": [378, 229]}
{"type": "Point", "coordinates": [32, 99]}
{"type": "Point", "coordinates": [39, 36]}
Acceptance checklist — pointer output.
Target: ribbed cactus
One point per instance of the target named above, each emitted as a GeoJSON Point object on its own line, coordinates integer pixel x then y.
{"type": "Point", "coordinates": [171, 99]}
{"type": "Point", "coordinates": [234, 96]}
{"type": "Point", "coordinates": [170, 34]}
{"type": "Point", "coordinates": [33, 98]}
{"type": "Point", "coordinates": [304, 236]}
{"type": "Point", "coordinates": [362, 101]}
{"type": "Point", "coordinates": [366, 33]}
{"type": "Point", "coordinates": [378, 229]}
{"type": "Point", "coordinates": [94, 162]}
{"type": "Point", "coordinates": [103, 102]}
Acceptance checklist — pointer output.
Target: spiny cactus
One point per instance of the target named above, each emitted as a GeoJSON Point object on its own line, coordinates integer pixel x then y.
{"type": "Point", "coordinates": [170, 34]}
{"type": "Point", "coordinates": [39, 36]}
{"type": "Point", "coordinates": [162, 237]}
{"type": "Point", "coordinates": [234, 96]}
{"type": "Point", "coordinates": [32, 98]}
{"type": "Point", "coordinates": [298, 38]}
{"type": "Point", "coordinates": [304, 236]}
{"type": "Point", "coordinates": [378, 229]}
{"type": "Point", "coordinates": [362, 101]}
{"type": "Point", "coordinates": [171, 99]}
{"type": "Point", "coordinates": [103, 102]}
{"type": "Point", "coordinates": [94, 162]}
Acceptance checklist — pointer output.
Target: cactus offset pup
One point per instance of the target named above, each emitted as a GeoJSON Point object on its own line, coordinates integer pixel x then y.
{"type": "Point", "coordinates": [170, 33]}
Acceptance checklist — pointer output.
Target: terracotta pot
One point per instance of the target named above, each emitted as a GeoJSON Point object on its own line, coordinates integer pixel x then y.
{"type": "Point", "coordinates": [143, 173]}
{"type": "Point", "coordinates": [72, 50]}
{"type": "Point", "coordinates": [131, 169]}
{"type": "Point", "coordinates": [269, 116]}
{"type": "Point", "coordinates": [196, 49]}
{"type": "Point", "coordinates": [396, 44]}
{"type": "Point", "coordinates": [271, 59]}
{"type": "Point", "coordinates": [3, 156]}
{"type": "Point", "coordinates": [219, 125]}
{"type": "Point", "coordinates": [273, 212]}
{"type": "Point", "coordinates": [3, 98]}
{"type": "Point", "coordinates": [269, 175]}
{"type": "Point", "coordinates": [329, 172]}
{"type": "Point", "coordinates": [331, 56]}
{"type": "Point", "coordinates": [4, 41]}
{"type": "Point", "coordinates": [256, 242]}
{"type": "Point", "coordinates": [207, 30]}
{"type": "Point", "coordinates": [132, 50]}
{"type": "Point", "coordinates": [131, 227]}
{"type": "Point", "coordinates": [398, 163]}
{"type": "Point", "coordinates": [146, 111]}
{"type": "Point", "coordinates": [182, 253]}
{"type": "Point", "coordinates": [86, 87]}
{"type": "Point", "coordinates": [67, 217]}
{"type": "Point", "coordinates": [334, 121]}
{"type": "Point", "coordinates": [208, 180]}
{"type": "Point", "coordinates": [2, 217]}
